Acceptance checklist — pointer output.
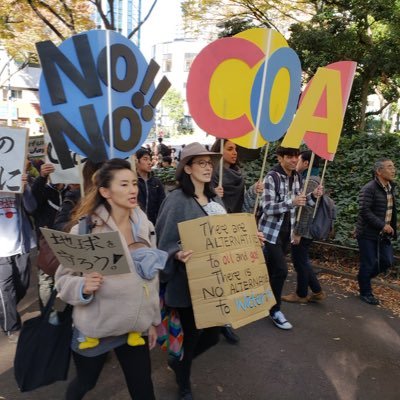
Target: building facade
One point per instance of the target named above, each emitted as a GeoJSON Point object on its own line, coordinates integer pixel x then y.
{"type": "Point", "coordinates": [19, 94]}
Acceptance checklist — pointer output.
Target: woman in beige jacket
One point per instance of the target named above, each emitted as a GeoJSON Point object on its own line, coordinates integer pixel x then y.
{"type": "Point", "coordinates": [109, 308]}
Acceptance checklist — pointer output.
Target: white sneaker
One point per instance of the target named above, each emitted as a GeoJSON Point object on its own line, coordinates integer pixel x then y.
{"type": "Point", "coordinates": [280, 321]}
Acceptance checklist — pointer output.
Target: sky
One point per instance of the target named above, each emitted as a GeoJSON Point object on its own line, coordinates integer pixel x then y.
{"type": "Point", "coordinates": [161, 25]}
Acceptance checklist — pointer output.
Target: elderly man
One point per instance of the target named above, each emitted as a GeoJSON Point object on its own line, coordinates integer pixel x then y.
{"type": "Point", "coordinates": [376, 227]}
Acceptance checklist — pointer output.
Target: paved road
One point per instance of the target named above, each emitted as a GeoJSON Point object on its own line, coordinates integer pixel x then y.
{"type": "Point", "coordinates": [341, 349]}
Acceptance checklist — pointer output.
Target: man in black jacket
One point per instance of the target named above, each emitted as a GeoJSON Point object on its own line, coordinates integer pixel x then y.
{"type": "Point", "coordinates": [376, 227]}
{"type": "Point", "coordinates": [151, 190]}
{"type": "Point", "coordinates": [49, 198]}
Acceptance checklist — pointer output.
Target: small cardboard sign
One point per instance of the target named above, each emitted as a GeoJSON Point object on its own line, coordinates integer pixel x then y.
{"type": "Point", "coordinates": [13, 148]}
{"type": "Point", "coordinates": [36, 146]}
{"type": "Point", "coordinates": [228, 277]}
{"type": "Point", "coordinates": [94, 252]}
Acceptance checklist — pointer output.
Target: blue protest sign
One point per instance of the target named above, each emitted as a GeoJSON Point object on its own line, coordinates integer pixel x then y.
{"type": "Point", "coordinates": [76, 98]}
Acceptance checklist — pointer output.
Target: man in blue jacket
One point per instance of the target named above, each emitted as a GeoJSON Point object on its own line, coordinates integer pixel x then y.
{"type": "Point", "coordinates": [376, 227]}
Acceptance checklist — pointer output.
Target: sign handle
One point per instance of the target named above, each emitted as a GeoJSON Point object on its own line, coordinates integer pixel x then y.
{"type": "Point", "coordinates": [306, 183]}
{"type": "Point", "coordinates": [322, 181]}
{"type": "Point", "coordinates": [221, 163]}
{"type": "Point", "coordinates": [261, 176]}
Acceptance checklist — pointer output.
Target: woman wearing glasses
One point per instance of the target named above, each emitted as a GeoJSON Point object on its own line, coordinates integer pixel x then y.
{"type": "Point", "coordinates": [194, 198]}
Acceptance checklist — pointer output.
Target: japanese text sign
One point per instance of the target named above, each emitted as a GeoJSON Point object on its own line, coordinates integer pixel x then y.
{"type": "Point", "coordinates": [95, 252]}
{"type": "Point", "coordinates": [228, 278]}
{"type": "Point", "coordinates": [13, 148]}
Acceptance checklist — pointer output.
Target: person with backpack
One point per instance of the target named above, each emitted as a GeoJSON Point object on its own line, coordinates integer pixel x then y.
{"type": "Point", "coordinates": [376, 227]}
{"type": "Point", "coordinates": [302, 240]}
{"type": "Point", "coordinates": [281, 196]}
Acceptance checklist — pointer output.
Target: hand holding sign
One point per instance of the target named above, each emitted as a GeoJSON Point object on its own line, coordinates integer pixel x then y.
{"type": "Point", "coordinates": [93, 282]}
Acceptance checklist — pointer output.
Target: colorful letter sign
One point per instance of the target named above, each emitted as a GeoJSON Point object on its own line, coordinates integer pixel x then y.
{"type": "Point", "coordinates": [246, 89]}
{"type": "Point", "coordinates": [88, 79]}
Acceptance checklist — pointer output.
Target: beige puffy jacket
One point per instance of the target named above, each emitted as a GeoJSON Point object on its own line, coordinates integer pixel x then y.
{"type": "Point", "coordinates": [124, 303]}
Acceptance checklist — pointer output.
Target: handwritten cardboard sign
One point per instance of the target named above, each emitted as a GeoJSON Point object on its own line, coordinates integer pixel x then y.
{"type": "Point", "coordinates": [94, 252]}
{"type": "Point", "coordinates": [228, 278]}
{"type": "Point", "coordinates": [13, 148]}
{"type": "Point", "coordinates": [36, 146]}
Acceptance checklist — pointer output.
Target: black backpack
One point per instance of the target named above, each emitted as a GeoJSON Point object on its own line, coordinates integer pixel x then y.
{"type": "Point", "coordinates": [322, 223]}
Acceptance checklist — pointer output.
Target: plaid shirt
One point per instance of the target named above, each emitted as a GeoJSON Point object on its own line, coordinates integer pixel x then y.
{"type": "Point", "coordinates": [389, 209]}
{"type": "Point", "coordinates": [275, 203]}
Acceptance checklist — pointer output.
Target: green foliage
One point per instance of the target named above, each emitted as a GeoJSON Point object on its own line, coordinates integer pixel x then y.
{"type": "Point", "coordinates": [173, 103]}
{"type": "Point", "coordinates": [363, 31]}
{"type": "Point", "coordinates": [166, 175]}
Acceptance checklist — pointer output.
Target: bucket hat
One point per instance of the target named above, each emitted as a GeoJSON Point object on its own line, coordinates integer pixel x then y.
{"type": "Point", "coordinates": [192, 150]}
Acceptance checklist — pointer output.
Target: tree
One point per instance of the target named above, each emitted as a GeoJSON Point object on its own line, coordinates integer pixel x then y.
{"type": "Point", "coordinates": [363, 31]}
{"type": "Point", "coordinates": [25, 22]}
{"type": "Point", "coordinates": [172, 102]}
{"type": "Point", "coordinates": [275, 14]}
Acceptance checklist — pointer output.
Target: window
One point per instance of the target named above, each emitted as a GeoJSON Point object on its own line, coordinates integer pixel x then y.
{"type": "Point", "coordinates": [16, 94]}
{"type": "Point", "coordinates": [189, 57]}
{"type": "Point", "coordinates": [167, 63]}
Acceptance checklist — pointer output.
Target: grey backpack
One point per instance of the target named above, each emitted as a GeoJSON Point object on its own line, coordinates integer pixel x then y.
{"type": "Point", "coordinates": [322, 224]}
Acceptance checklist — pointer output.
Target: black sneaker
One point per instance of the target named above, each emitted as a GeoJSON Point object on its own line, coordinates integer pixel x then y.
{"type": "Point", "coordinates": [370, 299]}
{"type": "Point", "coordinates": [230, 335]}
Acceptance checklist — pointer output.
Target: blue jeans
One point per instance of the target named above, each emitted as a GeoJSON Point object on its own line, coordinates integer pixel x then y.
{"type": "Point", "coordinates": [375, 256]}
{"type": "Point", "coordinates": [305, 274]}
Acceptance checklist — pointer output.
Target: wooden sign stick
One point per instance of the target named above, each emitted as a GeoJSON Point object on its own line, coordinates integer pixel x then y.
{"type": "Point", "coordinates": [221, 164]}
{"type": "Point", "coordinates": [321, 183]}
{"type": "Point", "coordinates": [310, 165]}
{"type": "Point", "coordinates": [261, 176]}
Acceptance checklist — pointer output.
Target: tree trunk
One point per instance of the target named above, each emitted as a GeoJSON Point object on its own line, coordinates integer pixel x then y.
{"type": "Point", "coordinates": [366, 79]}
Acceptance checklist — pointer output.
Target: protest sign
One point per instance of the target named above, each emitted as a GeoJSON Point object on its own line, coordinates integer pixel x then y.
{"type": "Point", "coordinates": [94, 252]}
{"type": "Point", "coordinates": [228, 278]}
{"type": "Point", "coordinates": [13, 148]}
{"type": "Point", "coordinates": [245, 88]}
{"type": "Point", "coordinates": [60, 175]}
{"type": "Point", "coordinates": [97, 95]}
{"type": "Point", "coordinates": [36, 146]}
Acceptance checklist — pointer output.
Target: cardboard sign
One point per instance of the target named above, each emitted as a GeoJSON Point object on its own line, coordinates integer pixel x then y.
{"type": "Point", "coordinates": [66, 176]}
{"type": "Point", "coordinates": [36, 146]}
{"type": "Point", "coordinates": [95, 252]}
{"type": "Point", "coordinates": [13, 148]}
{"type": "Point", "coordinates": [228, 278]}
{"type": "Point", "coordinates": [97, 95]}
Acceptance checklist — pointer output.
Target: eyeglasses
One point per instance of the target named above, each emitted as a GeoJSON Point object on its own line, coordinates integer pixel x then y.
{"type": "Point", "coordinates": [203, 163]}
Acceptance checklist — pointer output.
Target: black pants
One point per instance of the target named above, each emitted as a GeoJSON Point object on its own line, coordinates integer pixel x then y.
{"type": "Point", "coordinates": [275, 258]}
{"type": "Point", "coordinates": [135, 364]}
{"type": "Point", "coordinates": [195, 341]}
{"type": "Point", "coordinates": [14, 282]}
{"type": "Point", "coordinates": [306, 276]}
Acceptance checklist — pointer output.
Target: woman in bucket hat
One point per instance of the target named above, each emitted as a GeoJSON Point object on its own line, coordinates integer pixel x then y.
{"type": "Point", "coordinates": [193, 198]}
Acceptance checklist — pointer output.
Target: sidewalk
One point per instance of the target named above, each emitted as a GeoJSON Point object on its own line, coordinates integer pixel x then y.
{"type": "Point", "coordinates": [340, 349]}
